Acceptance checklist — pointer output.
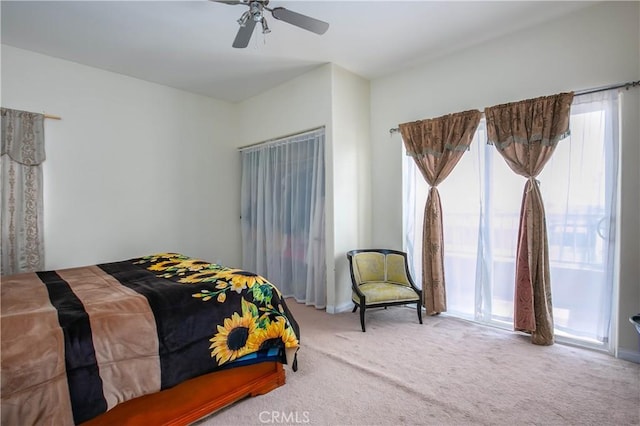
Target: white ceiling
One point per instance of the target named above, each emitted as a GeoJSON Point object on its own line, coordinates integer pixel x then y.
{"type": "Point", "coordinates": [187, 44]}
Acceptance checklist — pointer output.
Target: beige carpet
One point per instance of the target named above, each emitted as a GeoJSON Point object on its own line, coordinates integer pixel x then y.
{"type": "Point", "coordinates": [444, 372]}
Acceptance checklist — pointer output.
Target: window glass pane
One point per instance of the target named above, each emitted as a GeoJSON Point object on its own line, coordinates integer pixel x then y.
{"type": "Point", "coordinates": [577, 191]}
{"type": "Point", "coordinates": [460, 198]}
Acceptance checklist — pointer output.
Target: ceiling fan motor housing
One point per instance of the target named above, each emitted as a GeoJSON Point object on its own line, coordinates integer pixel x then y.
{"type": "Point", "coordinates": [255, 14]}
{"type": "Point", "coordinates": [256, 10]}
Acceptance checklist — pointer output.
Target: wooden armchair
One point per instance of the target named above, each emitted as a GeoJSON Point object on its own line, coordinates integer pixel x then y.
{"type": "Point", "coordinates": [381, 278]}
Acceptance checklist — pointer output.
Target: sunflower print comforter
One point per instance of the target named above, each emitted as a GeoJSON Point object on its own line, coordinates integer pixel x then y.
{"type": "Point", "coordinates": [76, 342]}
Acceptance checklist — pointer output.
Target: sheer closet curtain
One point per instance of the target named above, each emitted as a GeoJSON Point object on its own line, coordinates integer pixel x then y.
{"type": "Point", "coordinates": [283, 215]}
{"type": "Point", "coordinates": [22, 195]}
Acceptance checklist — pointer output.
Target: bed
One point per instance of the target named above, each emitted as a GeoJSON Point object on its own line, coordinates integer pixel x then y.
{"type": "Point", "coordinates": [160, 339]}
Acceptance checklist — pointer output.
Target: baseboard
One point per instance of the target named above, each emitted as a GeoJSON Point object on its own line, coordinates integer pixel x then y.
{"type": "Point", "coordinates": [339, 309]}
{"type": "Point", "coordinates": [629, 355]}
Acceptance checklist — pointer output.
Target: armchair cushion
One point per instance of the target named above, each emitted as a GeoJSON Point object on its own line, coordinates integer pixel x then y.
{"type": "Point", "coordinates": [377, 292]}
{"type": "Point", "coordinates": [396, 270]}
{"type": "Point", "coordinates": [369, 267]}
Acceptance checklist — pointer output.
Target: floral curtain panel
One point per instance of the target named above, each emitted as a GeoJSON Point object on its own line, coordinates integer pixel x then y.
{"type": "Point", "coordinates": [22, 198]}
{"type": "Point", "coordinates": [525, 133]}
{"type": "Point", "coordinates": [437, 145]}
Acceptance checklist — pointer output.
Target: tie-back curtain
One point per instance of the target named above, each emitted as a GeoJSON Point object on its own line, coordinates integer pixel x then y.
{"type": "Point", "coordinates": [22, 197]}
{"type": "Point", "coordinates": [525, 133]}
{"type": "Point", "coordinates": [437, 145]}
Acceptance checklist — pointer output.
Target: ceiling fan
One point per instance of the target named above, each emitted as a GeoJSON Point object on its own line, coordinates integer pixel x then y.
{"type": "Point", "coordinates": [255, 14]}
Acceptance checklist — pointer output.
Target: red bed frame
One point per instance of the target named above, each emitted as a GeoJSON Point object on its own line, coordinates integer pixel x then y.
{"type": "Point", "coordinates": [195, 398]}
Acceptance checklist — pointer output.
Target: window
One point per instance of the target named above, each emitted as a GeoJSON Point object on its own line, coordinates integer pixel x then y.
{"type": "Point", "coordinates": [481, 207]}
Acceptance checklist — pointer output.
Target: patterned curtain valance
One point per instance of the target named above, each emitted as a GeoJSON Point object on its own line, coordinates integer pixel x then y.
{"type": "Point", "coordinates": [544, 120]}
{"type": "Point", "coordinates": [23, 136]}
{"type": "Point", "coordinates": [435, 136]}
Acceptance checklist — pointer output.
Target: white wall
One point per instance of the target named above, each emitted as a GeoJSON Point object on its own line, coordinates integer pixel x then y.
{"type": "Point", "coordinates": [595, 46]}
{"type": "Point", "coordinates": [351, 153]}
{"type": "Point", "coordinates": [629, 288]}
{"type": "Point", "coordinates": [132, 168]}
{"type": "Point", "coordinates": [135, 168]}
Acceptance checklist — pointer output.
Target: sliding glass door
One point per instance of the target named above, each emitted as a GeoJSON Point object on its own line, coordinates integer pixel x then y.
{"type": "Point", "coordinates": [481, 206]}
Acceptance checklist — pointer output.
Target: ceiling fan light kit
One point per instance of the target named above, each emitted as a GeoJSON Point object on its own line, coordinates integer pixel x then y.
{"type": "Point", "coordinates": [255, 14]}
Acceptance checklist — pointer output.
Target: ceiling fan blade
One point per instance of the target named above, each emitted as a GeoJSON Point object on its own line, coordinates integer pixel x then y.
{"type": "Point", "coordinates": [244, 34]}
{"type": "Point", "coordinates": [299, 20]}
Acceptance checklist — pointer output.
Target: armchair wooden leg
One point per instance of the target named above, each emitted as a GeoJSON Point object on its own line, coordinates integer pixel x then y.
{"type": "Point", "coordinates": [354, 308]}
{"type": "Point", "coordinates": [362, 318]}
{"type": "Point", "coordinates": [419, 312]}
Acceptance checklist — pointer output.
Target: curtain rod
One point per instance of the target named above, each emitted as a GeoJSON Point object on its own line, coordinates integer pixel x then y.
{"type": "Point", "coordinates": [50, 116]}
{"type": "Point", "coordinates": [628, 85]}
{"type": "Point", "coordinates": [279, 138]}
